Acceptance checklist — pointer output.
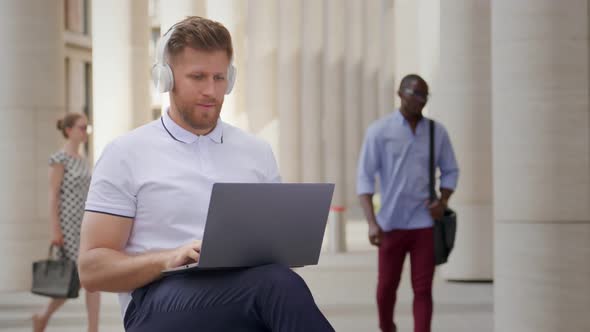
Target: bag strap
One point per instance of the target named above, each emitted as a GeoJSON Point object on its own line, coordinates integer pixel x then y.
{"type": "Point", "coordinates": [432, 169]}
{"type": "Point", "coordinates": [52, 247]}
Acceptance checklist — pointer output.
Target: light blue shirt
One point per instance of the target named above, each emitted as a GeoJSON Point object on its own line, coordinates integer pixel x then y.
{"type": "Point", "coordinates": [400, 159]}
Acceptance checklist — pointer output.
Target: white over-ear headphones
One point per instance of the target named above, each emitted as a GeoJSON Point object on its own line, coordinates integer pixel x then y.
{"type": "Point", "coordinates": [162, 73]}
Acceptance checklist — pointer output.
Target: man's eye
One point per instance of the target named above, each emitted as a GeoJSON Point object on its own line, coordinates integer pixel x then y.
{"type": "Point", "coordinates": [219, 78]}
{"type": "Point", "coordinates": [197, 77]}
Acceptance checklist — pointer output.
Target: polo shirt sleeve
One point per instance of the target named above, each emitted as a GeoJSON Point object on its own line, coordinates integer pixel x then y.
{"type": "Point", "coordinates": [272, 170]}
{"type": "Point", "coordinates": [112, 189]}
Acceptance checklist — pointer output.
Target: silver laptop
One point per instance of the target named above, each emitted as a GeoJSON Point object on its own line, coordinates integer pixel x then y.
{"type": "Point", "coordinates": [251, 224]}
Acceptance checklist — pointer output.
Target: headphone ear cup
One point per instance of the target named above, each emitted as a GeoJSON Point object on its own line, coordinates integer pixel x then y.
{"type": "Point", "coordinates": [156, 73]}
{"type": "Point", "coordinates": [162, 77]}
{"type": "Point", "coordinates": [167, 78]}
{"type": "Point", "coordinates": [231, 78]}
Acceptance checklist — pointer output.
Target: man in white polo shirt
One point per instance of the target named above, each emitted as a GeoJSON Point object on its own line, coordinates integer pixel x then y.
{"type": "Point", "coordinates": [148, 202]}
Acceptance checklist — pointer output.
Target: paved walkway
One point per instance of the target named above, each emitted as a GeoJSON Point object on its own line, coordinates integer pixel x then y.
{"type": "Point", "coordinates": [343, 286]}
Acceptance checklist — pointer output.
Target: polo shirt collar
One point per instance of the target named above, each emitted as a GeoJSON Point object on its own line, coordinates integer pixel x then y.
{"type": "Point", "coordinates": [182, 135]}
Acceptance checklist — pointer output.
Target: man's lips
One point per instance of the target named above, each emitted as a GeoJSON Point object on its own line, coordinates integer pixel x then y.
{"type": "Point", "coordinates": [206, 105]}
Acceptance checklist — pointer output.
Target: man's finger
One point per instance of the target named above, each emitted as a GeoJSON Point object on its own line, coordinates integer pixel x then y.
{"type": "Point", "coordinates": [193, 255]}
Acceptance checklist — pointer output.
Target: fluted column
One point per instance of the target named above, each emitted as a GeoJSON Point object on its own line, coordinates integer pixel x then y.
{"type": "Point", "coordinates": [173, 11]}
{"type": "Point", "coordinates": [311, 91]}
{"type": "Point", "coordinates": [353, 124]}
{"type": "Point", "coordinates": [32, 98]}
{"type": "Point", "coordinates": [261, 67]}
{"type": "Point", "coordinates": [387, 88]}
{"type": "Point", "coordinates": [463, 104]}
{"type": "Point", "coordinates": [372, 57]}
{"type": "Point", "coordinates": [416, 41]}
{"type": "Point", "coordinates": [121, 67]}
{"type": "Point", "coordinates": [541, 149]}
{"type": "Point", "coordinates": [289, 89]}
{"type": "Point", "coordinates": [333, 115]}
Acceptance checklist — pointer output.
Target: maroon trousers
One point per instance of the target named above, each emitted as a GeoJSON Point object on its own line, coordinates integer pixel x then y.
{"type": "Point", "coordinates": [392, 252]}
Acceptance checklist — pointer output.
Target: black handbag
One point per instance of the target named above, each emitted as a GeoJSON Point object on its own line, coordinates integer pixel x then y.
{"type": "Point", "coordinates": [446, 228]}
{"type": "Point", "coordinates": [56, 277]}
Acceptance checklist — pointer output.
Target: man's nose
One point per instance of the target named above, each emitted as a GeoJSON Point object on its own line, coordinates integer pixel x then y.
{"type": "Point", "coordinates": [209, 87]}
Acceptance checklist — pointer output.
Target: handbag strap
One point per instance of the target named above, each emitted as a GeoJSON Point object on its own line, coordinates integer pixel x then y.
{"type": "Point", "coordinates": [51, 250]}
{"type": "Point", "coordinates": [432, 169]}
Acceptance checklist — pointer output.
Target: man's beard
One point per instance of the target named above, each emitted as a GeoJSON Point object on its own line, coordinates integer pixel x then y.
{"type": "Point", "coordinates": [196, 120]}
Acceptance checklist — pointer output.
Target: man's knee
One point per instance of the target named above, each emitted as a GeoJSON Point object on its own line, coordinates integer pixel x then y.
{"type": "Point", "coordinates": [279, 276]}
{"type": "Point", "coordinates": [422, 292]}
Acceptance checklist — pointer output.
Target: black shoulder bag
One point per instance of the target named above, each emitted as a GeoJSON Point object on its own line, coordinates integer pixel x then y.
{"type": "Point", "coordinates": [444, 229]}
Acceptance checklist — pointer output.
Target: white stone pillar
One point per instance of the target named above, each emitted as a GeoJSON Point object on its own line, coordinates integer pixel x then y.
{"type": "Point", "coordinates": [173, 11]}
{"type": "Point", "coordinates": [416, 35]}
{"type": "Point", "coordinates": [32, 95]}
{"type": "Point", "coordinates": [387, 88]}
{"type": "Point", "coordinates": [372, 58]}
{"type": "Point", "coordinates": [261, 67]}
{"type": "Point", "coordinates": [239, 32]}
{"type": "Point", "coordinates": [289, 89]}
{"type": "Point", "coordinates": [76, 96]}
{"type": "Point", "coordinates": [311, 91]}
{"type": "Point", "coordinates": [353, 125]}
{"type": "Point", "coordinates": [121, 68]}
{"type": "Point", "coordinates": [541, 149]}
{"type": "Point", "coordinates": [333, 115]}
{"type": "Point", "coordinates": [463, 104]}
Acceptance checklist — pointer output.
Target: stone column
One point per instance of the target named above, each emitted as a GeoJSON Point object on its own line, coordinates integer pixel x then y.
{"type": "Point", "coordinates": [463, 104]}
{"type": "Point", "coordinates": [289, 89]}
{"type": "Point", "coordinates": [333, 115]}
{"type": "Point", "coordinates": [541, 149]}
{"type": "Point", "coordinates": [121, 69]}
{"type": "Point", "coordinates": [32, 94]}
{"type": "Point", "coordinates": [372, 58]}
{"type": "Point", "coordinates": [387, 88]}
{"type": "Point", "coordinates": [311, 91]}
{"type": "Point", "coordinates": [416, 34]}
{"type": "Point", "coordinates": [261, 68]}
{"type": "Point", "coordinates": [173, 11]}
{"type": "Point", "coordinates": [353, 125]}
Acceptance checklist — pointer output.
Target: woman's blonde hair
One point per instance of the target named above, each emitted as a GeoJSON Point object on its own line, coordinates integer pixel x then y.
{"type": "Point", "coordinates": [68, 121]}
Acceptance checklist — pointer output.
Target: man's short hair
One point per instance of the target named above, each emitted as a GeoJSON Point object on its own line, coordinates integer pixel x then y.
{"type": "Point", "coordinates": [200, 34]}
{"type": "Point", "coordinates": [409, 79]}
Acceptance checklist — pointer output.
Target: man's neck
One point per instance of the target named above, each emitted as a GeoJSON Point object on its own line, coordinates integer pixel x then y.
{"type": "Point", "coordinates": [411, 118]}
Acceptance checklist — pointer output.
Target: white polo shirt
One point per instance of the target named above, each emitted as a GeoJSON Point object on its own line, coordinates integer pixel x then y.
{"type": "Point", "coordinates": [161, 175]}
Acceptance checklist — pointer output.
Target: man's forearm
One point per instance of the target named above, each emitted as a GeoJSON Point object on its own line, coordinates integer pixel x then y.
{"type": "Point", "coordinates": [108, 270]}
{"type": "Point", "coordinates": [445, 195]}
{"type": "Point", "coordinates": [368, 209]}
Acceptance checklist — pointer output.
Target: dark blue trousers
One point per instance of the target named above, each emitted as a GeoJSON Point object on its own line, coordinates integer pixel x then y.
{"type": "Point", "coordinates": [264, 298]}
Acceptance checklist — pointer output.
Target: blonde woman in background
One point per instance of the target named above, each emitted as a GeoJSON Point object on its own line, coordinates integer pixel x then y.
{"type": "Point", "coordinates": [69, 179]}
